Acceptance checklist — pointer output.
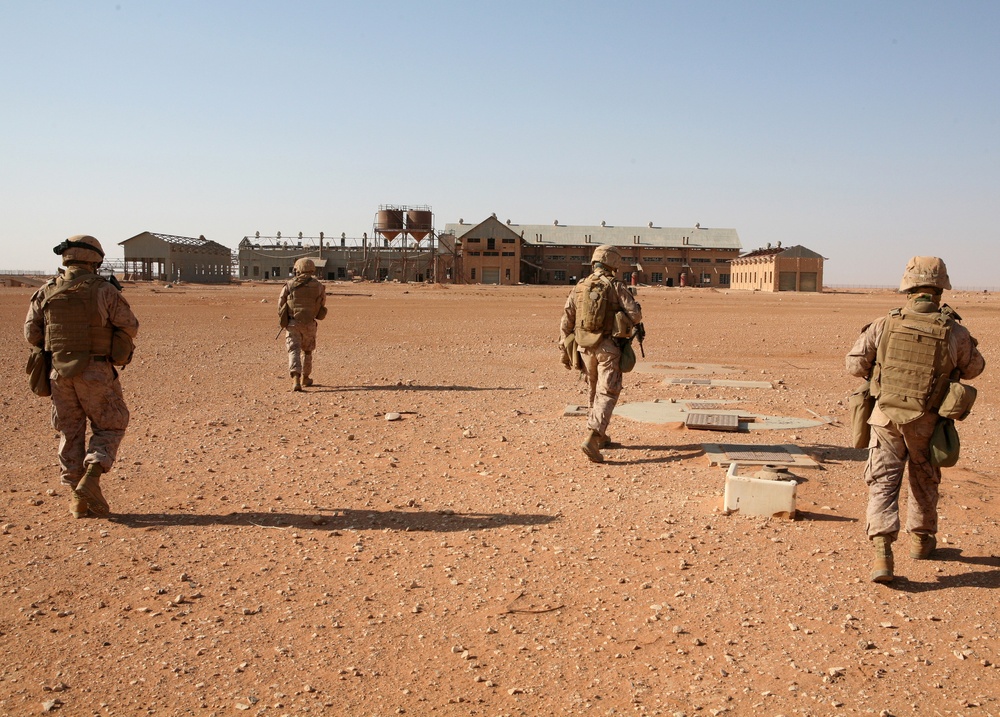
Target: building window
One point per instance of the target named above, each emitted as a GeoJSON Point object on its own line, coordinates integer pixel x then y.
{"type": "Point", "coordinates": [474, 253]}
{"type": "Point", "coordinates": [472, 240]}
{"type": "Point", "coordinates": [557, 257]}
{"type": "Point", "coordinates": [507, 253]}
{"type": "Point", "coordinates": [507, 274]}
{"type": "Point", "coordinates": [657, 277]}
{"type": "Point", "coordinates": [559, 275]}
{"type": "Point", "coordinates": [507, 240]}
{"type": "Point", "coordinates": [706, 278]}
{"type": "Point", "coordinates": [256, 271]}
{"type": "Point", "coordinates": [653, 260]}
{"type": "Point", "coordinates": [472, 274]}
{"type": "Point", "coordinates": [724, 279]}
{"type": "Point", "coordinates": [491, 253]}
{"type": "Point", "coordinates": [674, 260]}
{"type": "Point", "coordinates": [245, 269]}
{"type": "Point", "coordinates": [700, 260]}
{"type": "Point", "coordinates": [491, 243]}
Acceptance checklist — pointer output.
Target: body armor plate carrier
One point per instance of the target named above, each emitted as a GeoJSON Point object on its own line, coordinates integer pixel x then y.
{"type": "Point", "coordinates": [303, 298]}
{"type": "Point", "coordinates": [595, 309]}
{"type": "Point", "coordinates": [912, 364]}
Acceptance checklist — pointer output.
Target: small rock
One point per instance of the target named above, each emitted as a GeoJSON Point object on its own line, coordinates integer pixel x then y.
{"type": "Point", "coordinates": [392, 416]}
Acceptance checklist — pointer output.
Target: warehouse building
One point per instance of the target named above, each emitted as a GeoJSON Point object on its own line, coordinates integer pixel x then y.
{"type": "Point", "coordinates": [494, 252]}
{"type": "Point", "coordinates": [165, 257]}
{"type": "Point", "coordinates": [794, 268]}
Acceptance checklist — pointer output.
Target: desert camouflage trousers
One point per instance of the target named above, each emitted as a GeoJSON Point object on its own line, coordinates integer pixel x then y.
{"type": "Point", "coordinates": [300, 339]}
{"type": "Point", "coordinates": [891, 449]}
{"type": "Point", "coordinates": [602, 364]}
{"type": "Point", "coordinates": [94, 395]}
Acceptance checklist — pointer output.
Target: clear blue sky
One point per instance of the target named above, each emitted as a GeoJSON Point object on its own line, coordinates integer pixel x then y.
{"type": "Point", "coordinates": [866, 131]}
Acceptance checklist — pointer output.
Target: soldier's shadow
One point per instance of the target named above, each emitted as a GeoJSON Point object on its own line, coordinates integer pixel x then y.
{"type": "Point", "coordinates": [340, 519]}
{"type": "Point", "coordinates": [989, 579]}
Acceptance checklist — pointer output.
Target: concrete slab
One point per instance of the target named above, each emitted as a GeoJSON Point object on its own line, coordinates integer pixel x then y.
{"type": "Point", "coordinates": [574, 410]}
{"type": "Point", "coordinates": [779, 455]}
{"type": "Point", "coordinates": [678, 411]}
{"type": "Point", "coordinates": [685, 381]}
{"type": "Point", "coordinates": [755, 496]}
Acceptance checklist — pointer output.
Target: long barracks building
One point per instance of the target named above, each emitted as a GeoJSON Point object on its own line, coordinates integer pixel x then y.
{"type": "Point", "coordinates": [494, 252]}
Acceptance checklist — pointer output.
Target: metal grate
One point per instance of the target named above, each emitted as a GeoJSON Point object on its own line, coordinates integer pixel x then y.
{"type": "Point", "coordinates": [713, 421]}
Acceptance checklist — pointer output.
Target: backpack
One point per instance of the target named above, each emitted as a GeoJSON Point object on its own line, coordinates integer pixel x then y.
{"type": "Point", "coordinates": [594, 314]}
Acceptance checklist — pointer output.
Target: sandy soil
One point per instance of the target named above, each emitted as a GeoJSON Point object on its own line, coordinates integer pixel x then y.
{"type": "Point", "coordinates": [287, 554]}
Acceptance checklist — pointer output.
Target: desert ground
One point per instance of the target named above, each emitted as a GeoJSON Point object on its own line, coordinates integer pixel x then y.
{"type": "Point", "coordinates": [279, 553]}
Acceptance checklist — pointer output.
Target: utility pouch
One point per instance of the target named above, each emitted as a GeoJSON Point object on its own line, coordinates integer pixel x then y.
{"type": "Point", "coordinates": [627, 361]}
{"type": "Point", "coordinates": [122, 348]}
{"type": "Point", "coordinates": [321, 314]}
{"type": "Point", "coordinates": [958, 401]}
{"type": "Point", "coordinates": [622, 328]}
{"type": "Point", "coordinates": [860, 405]}
{"type": "Point", "coordinates": [283, 316]}
{"type": "Point", "coordinates": [944, 445]}
{"type": "Point", "coordinates": [39, 365]}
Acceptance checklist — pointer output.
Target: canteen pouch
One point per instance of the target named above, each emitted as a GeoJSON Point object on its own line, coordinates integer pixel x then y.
{"type": "Point", "coordinates": [958, 401]}
{"type": "Point", "coordinates": [38, 368]}
{"type": "Point", "coordinates": [122, 348]}
{"type": "Point", "coordinates": [944, 446]}
{"type": "Point", "coordinates": [860, 405]}
{"type": "Point", "coordinates": [627, 361]}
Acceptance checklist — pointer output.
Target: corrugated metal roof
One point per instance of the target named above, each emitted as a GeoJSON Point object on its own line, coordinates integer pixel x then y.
{"type": "Point", "coordinates": [182, 241]}
{"type": "Point", "coordinates": [667, 237]}
{"type": "Point", "coordinates": [189, 241]}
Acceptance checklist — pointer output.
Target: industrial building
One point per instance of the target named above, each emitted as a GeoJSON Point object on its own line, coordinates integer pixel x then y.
{"type": "Point", "coordinates": [164, 257]}
{"type": "Point", "coordinates": [492, 252]}
{"type": "Point", "coordinates": [792, 268]}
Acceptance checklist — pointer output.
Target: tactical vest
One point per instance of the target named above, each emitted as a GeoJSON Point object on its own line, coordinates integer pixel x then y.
{"type": "Point", "coordinates": [303, 298]}
{"type": "Point", "coordinates": [74, 329]}
{"type": "Point", "coordinates": [912, 363]}
{"type": "Point", "coordinates": [596, 305]}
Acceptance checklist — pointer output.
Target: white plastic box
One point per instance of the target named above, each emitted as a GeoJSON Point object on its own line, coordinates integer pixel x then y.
{"type": "Point", "coordinates": [757, 496]}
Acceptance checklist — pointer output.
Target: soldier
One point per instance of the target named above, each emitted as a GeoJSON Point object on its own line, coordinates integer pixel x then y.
{"type": "Point", "coordinates": [599, 309]}
{"type": "Point", "coordinates": [910, 356]}
{"type": "Point", "coordinates": [301, 303]}
{"type": "Point", "coordinates": [86, 324]}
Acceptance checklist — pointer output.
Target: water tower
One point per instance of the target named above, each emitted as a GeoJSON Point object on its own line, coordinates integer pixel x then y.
{"type": "Point", "coordinates": [397, 221]}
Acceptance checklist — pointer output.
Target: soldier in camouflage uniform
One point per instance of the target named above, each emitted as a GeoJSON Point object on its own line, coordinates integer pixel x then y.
{"type": "Point", "coordinates": [75, 316]}
{"type": "Point", "coordinates": [301, 303]}
{"type": "Point", "coordinates": [592, 327]}
{"type": "Point", "coordinates": [906, 354]}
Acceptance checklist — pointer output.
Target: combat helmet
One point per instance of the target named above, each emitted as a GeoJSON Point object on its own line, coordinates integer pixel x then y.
{"type": "Point", "coordinates": [305, 266]}
{"type": "Point", "coordinates": [925, 271]}
{"type": "Point", "coordinates": [607, 255]}
{"type": "Point", "coordinates": [80, 249]}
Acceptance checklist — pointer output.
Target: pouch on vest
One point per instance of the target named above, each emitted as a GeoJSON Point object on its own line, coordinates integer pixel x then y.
{"type": "Point", "coordinates": [627, 361]}
{"type": "Point", "coordinates": [39, 365]}
{"type": "Point", "coordinates": [122, 348]}
{"type": "Point", "coordinates": [623, 326]}
{"type": "Point", "coordinates": [321, 314]}
{"type": "Point", "coordinates": [944, 446]}
{"type": "Point", "coordinates": [958, 401]}
{"type": "Point", "coordinates": [283, 316]}
{"type": "Point", "coordinates": [860, 405]}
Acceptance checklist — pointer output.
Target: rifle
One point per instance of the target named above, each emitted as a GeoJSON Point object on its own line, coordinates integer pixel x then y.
{"type": "Point", "coordinates": [640, 335]}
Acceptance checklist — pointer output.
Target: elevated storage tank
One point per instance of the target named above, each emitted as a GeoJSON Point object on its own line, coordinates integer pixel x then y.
{"type": "Point", "coordinates": [389, 223]}
{"type": "Point", "coordinates": [419, 223]}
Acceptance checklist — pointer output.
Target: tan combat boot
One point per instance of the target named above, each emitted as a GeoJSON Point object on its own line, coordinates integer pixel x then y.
{"type": "Point", "coordinates": [607, 442]}
{"type": "Point", "coordinates": [591, 447]}
{"type": "Point", "coordinates": [922, 545]}
{"type": "Point", "coordinates": [78, 507]}
{"type": "Point", "coordinates": [307, 381]}
{"type": "Point", "coordinates": [882, 567]}
{"type": "Point", "coordinates": [89, 490]}
{"type": "Point", "coordinates": [296, 383]}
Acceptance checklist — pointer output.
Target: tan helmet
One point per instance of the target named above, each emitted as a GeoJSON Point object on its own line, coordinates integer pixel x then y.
{"type": "Point", "coordinates": [925, 271]}
{"type": "Point", "coordinates": [608, 256]}
{"type": "Point", "coordinates": [81, 248]}
{"type": "Point", "coordinates": [305, 266]}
